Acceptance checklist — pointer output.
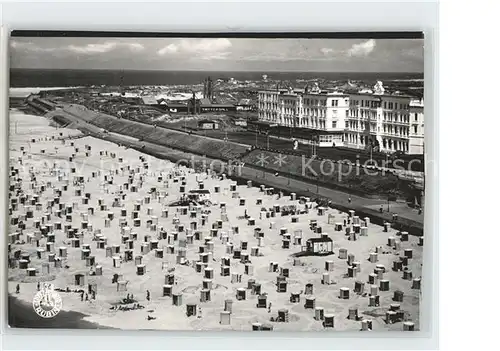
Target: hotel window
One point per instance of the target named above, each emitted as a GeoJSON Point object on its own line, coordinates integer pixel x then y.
{"type": "Point", "coordinates": [335, 103]}
{"type": "Point", "coordinates": [334, 124]}
{"type": "Point", "coordinates": [415, 129]}
{"type": "Point", "coordinates": [416, 116]}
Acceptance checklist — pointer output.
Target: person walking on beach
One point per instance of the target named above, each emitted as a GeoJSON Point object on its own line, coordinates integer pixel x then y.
{"type": "Point", "coordinates": [349, 199]}
{"type": "Point", "coordinates": [38, 286]}
{"type": "Point", "coordinates": [148, 296]}
{"type": "Point", "coordinates": [18, 289]}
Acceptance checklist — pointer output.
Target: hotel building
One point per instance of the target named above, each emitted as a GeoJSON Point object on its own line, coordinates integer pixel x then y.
{"type": "Point", "coordinates": [385, 122]}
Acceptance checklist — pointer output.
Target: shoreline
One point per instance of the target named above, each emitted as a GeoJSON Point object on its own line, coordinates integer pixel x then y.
{"type": "Point", "coordinates": [21, 315]}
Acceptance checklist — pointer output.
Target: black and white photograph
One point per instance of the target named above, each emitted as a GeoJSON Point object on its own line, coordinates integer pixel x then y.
{"type": "Point", "coordinates": [202, 182]}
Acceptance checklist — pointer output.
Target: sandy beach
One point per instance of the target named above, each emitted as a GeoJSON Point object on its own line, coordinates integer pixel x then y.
{"type": "Point", "coordinates": [105, 168]}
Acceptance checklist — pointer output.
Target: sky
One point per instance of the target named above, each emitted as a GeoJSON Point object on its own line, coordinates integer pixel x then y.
{"type": "Point", "coordinates": [220, 54]}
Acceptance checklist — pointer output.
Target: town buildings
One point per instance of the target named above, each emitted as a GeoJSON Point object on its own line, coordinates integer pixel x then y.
{"type": "Point", "coordinates": [363, 120]}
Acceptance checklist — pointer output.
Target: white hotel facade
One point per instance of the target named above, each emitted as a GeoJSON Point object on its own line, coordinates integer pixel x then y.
{"type": "Point", "coordinates": [388, 122]}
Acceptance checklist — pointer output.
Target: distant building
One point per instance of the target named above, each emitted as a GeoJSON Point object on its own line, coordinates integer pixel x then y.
{"type": "Point", "coordinates": [208, 124]}
{"type": "Point", "coordinates": [361, 120]}
{"type": "Point", "coordinates": [217, 108]}
{"type": "Point", "coordinates": [204, 105]}
{"type": "Point", "coordinates": [149, 100]}
{"type": "Point", "coordinates": [241, 122]}
{"type": "Point", "coordinates": [176, 107]}
{"type": "Point", "coordinates": [323, 245]}
{"type": "Point", "coordinates": [417, 126]}
{"type": "Point", "coordinates": [208, 91]}
{"type": "Point", "coordinates": [109, 94]}
{"type": "Point", "coordinates": [245, 105]}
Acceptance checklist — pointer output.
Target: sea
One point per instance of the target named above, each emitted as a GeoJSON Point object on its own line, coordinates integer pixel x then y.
{"type": "Point", "coordinates": [22, 315]}
{"type": "Point", "coordinates": [22, 78]}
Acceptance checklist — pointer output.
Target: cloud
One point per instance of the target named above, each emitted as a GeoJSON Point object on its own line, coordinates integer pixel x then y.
{"type": "Point", "coordinates": [215, 56]}
{"type": "Point", "coordinates": [219, 54]}
{"type": "Point", "coordinates": [28, 46]}
{"type": "Point", "coordinates": [93, 48]}
{"type": "Point", "coordinates": [78, 49]}
{"type": "Point", "coordinates": [204, 48]}
{"type": "Point", "coordinates": [135, 47]}
{"type": "Point", "coordinates": [362, 49]}
{"type": "Point", "coordinates": [104, 47]}
{"type": "Point", "coordinates": [169, 49]}
{"type": "Point", "coordinates": [326, 51]}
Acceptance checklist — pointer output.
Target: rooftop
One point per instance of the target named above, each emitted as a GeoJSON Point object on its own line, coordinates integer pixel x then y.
{"type": "Point", "coordinates": [245, 102]}
{"type": "Point", "coordinates": [200, 191]}
{"type": "Point", "coordinates": [320, 240]}
{"type": "Point", "coordinates": [417, 103]}
{"type": "Point", "coordinates": [206, 121]}
{"type": "Point", "coordinates": [149, 100]}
